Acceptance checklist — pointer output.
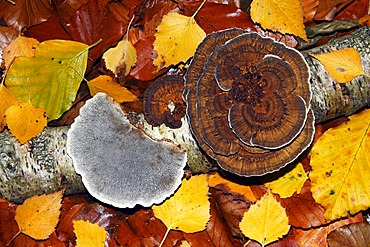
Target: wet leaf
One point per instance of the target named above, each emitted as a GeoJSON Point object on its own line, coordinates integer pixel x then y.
{"type": "Point", "coordinates": [20, 47]}
{"type": "Point", "coordinates": [285, 17]}
{"type": "Point", "coordinates": [7, 99]}
{"type": "Point", "coordinates": [343, 65]}
{"type": "Point", "coordinates": [340, 175]}
{"type": "Point", "coordinates": [121, 58]}
{"type": "Point", "coordinates": [89, 234]}
{"type": "Point", "coordinates": [177, 38]}
{"type": "Point", "coordinates": [265, 221]}
{"type": "Point", "coordinates": [353, 235]}
{"type": "Point", "coordinates": [51, 78]}
{"type": "Point", "coordinates": [38, 216]}
{"type": "Point", "coordinates": [106, 85]}
{"type": "Point", "coordinates": [290, 183]}
{"type": "Point", "coordinates": [24, 121]}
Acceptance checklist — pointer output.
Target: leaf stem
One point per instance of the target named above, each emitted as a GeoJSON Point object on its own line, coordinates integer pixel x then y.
{"type": "Point", "coordinates": [11, 240]}
{"type": "Point", "coordinates": [196, 12]}
{"type": "Point", "coordinates": [95, 44]}
{"type": "Point", "coordinates": [128, 27]}
{"type": "Point", "coordinates": [11, 2]}
{"type": "Point", "coordinates": [165, 236]}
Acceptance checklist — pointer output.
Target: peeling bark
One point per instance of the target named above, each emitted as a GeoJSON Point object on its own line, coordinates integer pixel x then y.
{"type": "Point", "coordinates": [43, 166]}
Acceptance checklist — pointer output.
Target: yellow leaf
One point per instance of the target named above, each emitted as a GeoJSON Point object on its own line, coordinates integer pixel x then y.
{"type": "Point", "coordinates": [89, 234]}
{"type": "Point", "coordinates": [266, 221]}
{"type": "Point", "coordinates": [177, 38]}
{"type": "Point", "coordinates": [188, 209]}
{"type": "Point", "coordinates": [105, 84]}
{"type": "Point", "coordinates": [20, 47]}
{"type": "Point", "coordinates": [7, 99]}
{"type": "Point", "coordinates": [283, 16]}
{"type": "Point", "coordinates": [244, 190]}
{"type": "Point", "coordinates": [24, 121]}
{"type": "Point", "coordinates": [38, 216]}
{"type": "Point", "coordinates": [185, 244]}
{"type": "Point", "coordinates": [343, 65]}
{"type": "Point", "coordinates": [51, 78]}
{"type": "Point", "coordinates": [340, 161]}
{"type": "Point", "coordinates": [291, 182]}
{"type": "Point", "coordinates": [121, 58]}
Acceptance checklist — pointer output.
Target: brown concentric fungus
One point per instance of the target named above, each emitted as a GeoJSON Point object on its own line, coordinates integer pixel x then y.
{"type": "Point", "coordinates": [248, 102]}
{"type": "Point", "coordinates": [163, 102]}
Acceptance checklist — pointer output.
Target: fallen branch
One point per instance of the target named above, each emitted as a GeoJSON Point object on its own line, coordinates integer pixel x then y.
{"type": "Point", "coordinates": [43, 166]}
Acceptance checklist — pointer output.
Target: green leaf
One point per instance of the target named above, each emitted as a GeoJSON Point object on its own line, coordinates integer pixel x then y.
{"type": "Point", "coordinates": [51, 78]}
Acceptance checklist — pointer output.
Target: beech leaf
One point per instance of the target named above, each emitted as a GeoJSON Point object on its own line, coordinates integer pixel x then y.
{"type": "Point", "coordinates": [188, 210]}
{"type": "Point", "coordinates": [353, 235]}
{"type": "Point", "coordinates": [20, 47]}
{"type": "Point", "coordinates": [291, 182]}
{"type": "Point", "coordinates": [121, 58]}
{"type": "Point", "coordinates": [177, 38]}
{"type": "Point", "coordinates": [51, 78]}
{"type": "Point", "coordinates": [89, 234]}
{"type": "Point", "coordinates": [7, 99]}
{"type": "Point", "coordinates": [340, 175]}
{"type": "Point", "coordinates": [105, 84]}
{"type": "Point", "coordinates": [285, 17]}
{"type": "Point", "coordinates": [343, 65]}
{"type": "Point", "coordinates": [38, 216]}
{"type": "Point", "coordinates": [24, 121]}
{"type": "Point", "coordinates": [265, 221]}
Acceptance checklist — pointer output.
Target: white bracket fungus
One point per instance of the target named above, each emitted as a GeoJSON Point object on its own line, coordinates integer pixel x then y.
{"type": "Point", "coordinates": [118, 163]}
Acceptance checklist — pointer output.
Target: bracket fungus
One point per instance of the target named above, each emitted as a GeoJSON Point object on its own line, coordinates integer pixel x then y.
{"type": "Point", "coordinates": [163, 102]}
{"type": "Point", "coordinates": [248, 102]}
{"type": "Point", "coordinates": [118, 163]}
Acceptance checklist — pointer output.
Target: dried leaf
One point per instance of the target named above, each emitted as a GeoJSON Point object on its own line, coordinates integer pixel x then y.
{"type": "Point", "coordinates": [290, 183]}
{"type": "Point", "coordinates": [121, 58]}
{"type": "Point", "coordinates": [38, 216]}
{"type": "Point", "coordinates": [340, 175]}
{"type": "Point", "coordinates": [177, 38]}
{"type": "Point", "coordinates": [188, 209]}
{"type": "Point", "coordinates": [353, 235]}
{"type": "Point", "coordinates": [281, 16]}
{"type": "Point", "coordinates": [106, 85]}
{"type": "Point", "coordinates": [343, 65]}
{"type": "Point", "coordinates": [20, 47]}
{"type": "Point", "coordinates": [24, 121]}
{"type": "Point", "coordinates": [51, 78]}
{"type": "Point", "coordinates": [89, 234]}
{"type": "Point", "coordinates": [265, 221]}
{"type": "Point", "coordinates": [7, 99]}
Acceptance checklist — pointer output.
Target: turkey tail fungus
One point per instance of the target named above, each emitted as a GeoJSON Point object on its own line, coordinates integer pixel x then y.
{"type": "Point", "coordinates": [248, 102]}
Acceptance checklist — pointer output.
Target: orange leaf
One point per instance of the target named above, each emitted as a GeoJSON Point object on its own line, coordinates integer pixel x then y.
{"type": "Point", "coordinates": [20, 47]}
{"type": "Point", "coordinates": [7, 99]}
{"type": "Point", "coordinates": [89, 234]}
{"type": "Point", "coordinates": [105, 84]}
{"type": "Point", "coordinates": [24, 121]}
{"type": "Point", "coordinates": [38, 216]}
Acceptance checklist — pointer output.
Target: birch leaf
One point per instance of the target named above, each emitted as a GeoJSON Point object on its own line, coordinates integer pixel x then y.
{"type": "Point", "coordinates": [38, 216]}
{"type": "Point", "coordinates": [291, 182]}
{"type": "Point", "coordinates": [7, 99]}
{"type": "Point", "coordinates": [51, 78]}
{"type": "Point", "coordinates": [340, 161]}
{"type": "Point", "coordinates": [24, 121]}
{"type": "Point", "coordinates": [89, 234]}
{"type": "Point", "coordinates": [188, 209]}
{"type": "Point", "coordinates": [177, 38]}
{"type": "Point", "coordinates": [120, 59]}
{"type": "Point", "coordinates": [285, 16]}
{"type": "Point", "coordinates": [265, 221]}
{"type": "Point", "coordinates": [343, 65]}
{"type": "Point", "coordinates": [20, 47]}
{"type": "Point", "coordinates": [105, 84]}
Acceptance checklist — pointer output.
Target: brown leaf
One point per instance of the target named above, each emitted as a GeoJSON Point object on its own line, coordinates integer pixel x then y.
{"type": "Point", "coordinates": [25, 13]}
{"type": "Point", "coordinates": [7, 35]}
{"type": "Point", "coordinates": [309, 9]}
{"type": "Point", "coordinates": [67, 8]}
{"type": "Point", "coordinates": [211, 13]}
{"type": "Point", "coordinates": [355, 10]}
{"type": "Point", "coordinates": [302, 210]}
{"type": "Point", "coordinates": [354, 235]}
{"type": "Point", "coordinates": [318, 236]}
{"type": "Point", "coordinates": [327, 9]}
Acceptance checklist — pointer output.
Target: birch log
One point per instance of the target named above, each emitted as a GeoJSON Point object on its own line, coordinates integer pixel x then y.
{"type": "Point", "coordinates": [43, 166]}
